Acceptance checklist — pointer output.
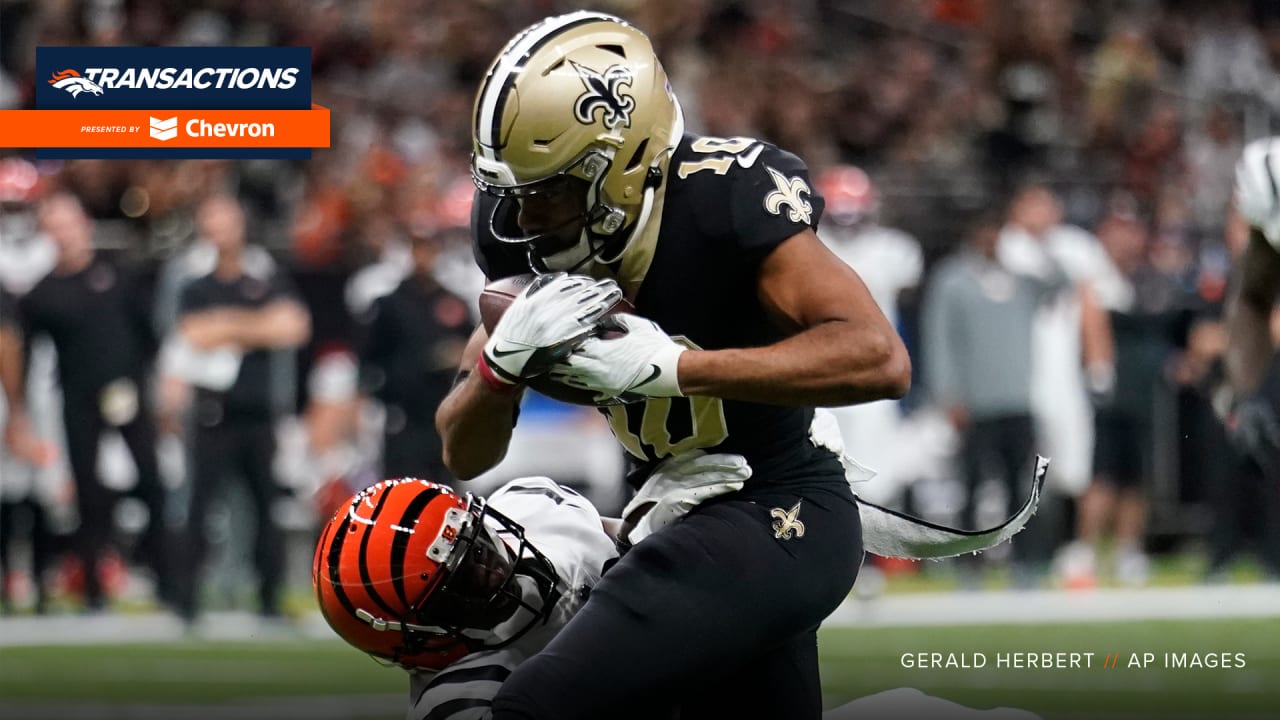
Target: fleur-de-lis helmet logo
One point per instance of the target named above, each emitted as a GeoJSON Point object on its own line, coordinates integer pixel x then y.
{"type": "Point", "coordinates": [604, 94]}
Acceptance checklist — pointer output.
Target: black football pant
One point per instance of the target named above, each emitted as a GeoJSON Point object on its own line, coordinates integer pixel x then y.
{"type": "Point", "coordinates": [95, 503]}
{"type": "Point", "coordinates": [712, 617]}
{"type": "Point", "coordinates": [1004, 447]}
{"type": "Point", "coordinates": [12, 512]}
{"type": "Point", "coordinates": [234, 449]}
{"type": "Point", "coordinates": [1244, 502]}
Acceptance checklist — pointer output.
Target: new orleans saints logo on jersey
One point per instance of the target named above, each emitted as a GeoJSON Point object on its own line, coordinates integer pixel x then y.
{"type": "Point", "coordinates": [788, 194]}
{"type": "Point", "coordinates": [787, 523]}
{"type": "Point", "coordinates": [604, 93]}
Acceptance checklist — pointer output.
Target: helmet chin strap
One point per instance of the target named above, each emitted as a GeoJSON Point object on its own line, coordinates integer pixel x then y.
{"type": "Point", "coordinates": [646, 209]}
{"type": "Point", "coordinates": [540, 264]}
{"type": "Point", "coordinates": [595, 244]}
{"type": "Point", "coordinates": [652, 181]}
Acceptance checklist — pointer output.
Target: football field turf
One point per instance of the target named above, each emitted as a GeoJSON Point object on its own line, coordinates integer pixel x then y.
{"type": "Point", "coordinates": [317, 679]}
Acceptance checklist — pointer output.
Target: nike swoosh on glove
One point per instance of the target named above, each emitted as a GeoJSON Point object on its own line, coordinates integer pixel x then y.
{"type": "Point", "coordinates": [642, 363]}
{"type": "Point", "coordinates": [542, 325]}
{"type": "Point", "coordinates": [1258, 186]}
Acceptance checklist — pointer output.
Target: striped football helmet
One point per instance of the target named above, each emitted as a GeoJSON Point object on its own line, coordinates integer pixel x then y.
{"type": "Point", "coordinates": [417, 575]}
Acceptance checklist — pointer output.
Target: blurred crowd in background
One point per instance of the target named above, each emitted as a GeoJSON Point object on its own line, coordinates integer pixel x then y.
{"type": "Point", "coordinates": [1038, 193]}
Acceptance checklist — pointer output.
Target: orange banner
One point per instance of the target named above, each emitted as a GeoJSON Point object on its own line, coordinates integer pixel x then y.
{"type": "Point", "coordinates": [165, 128]}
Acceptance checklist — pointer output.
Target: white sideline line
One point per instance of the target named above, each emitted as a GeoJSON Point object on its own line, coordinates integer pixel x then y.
{"type": "Point", "coordinates": [1014, 607]}
{"type": "Point", "coordinates": [897, 610]}
{"type": "Point", "coordinates": [1000, 607]}
{"type": "Point", "coordinates": [337, 707]}
{"type": "Point", "coordinates": [107, 629]}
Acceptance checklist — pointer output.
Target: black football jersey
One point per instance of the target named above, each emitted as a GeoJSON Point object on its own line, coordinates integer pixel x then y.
{"type": "Point", "coordinates": [726, 204]}
{"type": "Point", "coordinates": [9, 311]}
{"type": "Point", "coordinates": [409, 340]}
{"type": "Point", "coordinates": [250, 396]}
{"type": "Point", "coordinates": [98, 321]}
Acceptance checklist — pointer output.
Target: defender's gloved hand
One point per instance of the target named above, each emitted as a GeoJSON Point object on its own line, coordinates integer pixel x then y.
{"type": "Point", "coordinates": [549, 318]}
{"type": "Point", "coordinates": [677, 486]}
{"type": "Point", "coordinates": [640, 364]}
{"type": "Point", "coordinates": [1255, 430]}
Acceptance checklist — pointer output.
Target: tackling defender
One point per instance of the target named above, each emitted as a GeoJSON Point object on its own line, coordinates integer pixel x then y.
{"type": "Point", "coordinates": [1253, 367]}
{"type": "Point", "coordinates": [459, 591]}
{"type": "Point", "coordinates": [582, 166]}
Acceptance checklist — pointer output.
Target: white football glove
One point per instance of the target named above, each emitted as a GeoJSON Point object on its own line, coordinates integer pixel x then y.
{"type": "Point", "coordinates": [1257, 186]}
{"type": "Point", "coordinates": [543, 324]}
{"type": "Point", "coordinates": [640, 364]}
{"type": "Point", "coordinates": [678, 485]}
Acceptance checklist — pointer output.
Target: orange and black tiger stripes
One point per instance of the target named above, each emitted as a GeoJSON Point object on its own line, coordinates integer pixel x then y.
{"type": "Point", "coordinates": [400, 543]}
{"type": "Point", "coordinates": [317, 565]}
{"type": "Point", "coordinates": [372, 565]}
{"type": "Point", "coordinates": [335, 565]}
{"type": "Point", "coordinates": [374, 528]}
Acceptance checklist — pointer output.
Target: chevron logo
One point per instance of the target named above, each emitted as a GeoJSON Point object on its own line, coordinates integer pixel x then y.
{"type": "Point", "coordinates": [164, 129]}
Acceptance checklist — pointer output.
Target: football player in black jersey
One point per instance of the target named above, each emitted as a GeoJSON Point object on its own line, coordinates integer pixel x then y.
{"type": "Point", "coordinates": [749, 323]}
{"type": "Point", "coordinates": [1252, 364]}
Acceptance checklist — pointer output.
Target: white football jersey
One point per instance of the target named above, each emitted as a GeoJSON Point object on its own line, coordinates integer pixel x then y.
{"type": "Point", "coordinates": [1058, 397]}
{"type": "Point", "coordinates": [888, 260]}
{"type": "Point", "coordinates": [567, 529]}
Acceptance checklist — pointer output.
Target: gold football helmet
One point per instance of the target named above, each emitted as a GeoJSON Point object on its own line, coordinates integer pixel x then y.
{"type": "Point", "coordinates": [575, 103]}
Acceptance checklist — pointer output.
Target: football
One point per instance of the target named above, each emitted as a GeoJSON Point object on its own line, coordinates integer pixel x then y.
{"type": "Point", "coordinates": [497, 296]}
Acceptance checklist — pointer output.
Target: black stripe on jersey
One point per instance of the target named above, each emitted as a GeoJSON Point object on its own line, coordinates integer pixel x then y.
{"type": "Point", "coordinates": [445, 709]}
{"type": "Point", "coordinates": [400, 545]}
{"type": "Point", "coordinates": [1271, 174]}
{"type": "Point", "coordinates": [556, 497]}
{"type": "Point", "coordinates": [364, 561]}
{"type": "Point", "coordinates": [510, 80]}
{"type": "Point", "coordinates": [484, 673]}
{"type": "Point", "coordinates": [494, 673]}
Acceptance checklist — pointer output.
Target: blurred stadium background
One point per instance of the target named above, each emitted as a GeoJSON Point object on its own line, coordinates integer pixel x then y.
{"type": "Point", "coordinates": [1130, 109]}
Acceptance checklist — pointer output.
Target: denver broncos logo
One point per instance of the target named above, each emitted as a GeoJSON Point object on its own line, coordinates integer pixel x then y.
{"type": "Point", "coordinates": [604, 93]}
{"type": "Point", "coordinates": [74, 83]}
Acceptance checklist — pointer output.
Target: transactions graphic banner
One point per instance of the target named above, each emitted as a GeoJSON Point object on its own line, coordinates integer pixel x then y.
{"type": "Point", "coordinates": [170, 102]}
